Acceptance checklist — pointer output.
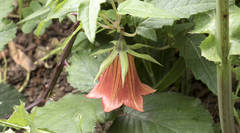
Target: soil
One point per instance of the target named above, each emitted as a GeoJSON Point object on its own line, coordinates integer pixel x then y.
{"type": "Point", "coordinates": [35, 48]}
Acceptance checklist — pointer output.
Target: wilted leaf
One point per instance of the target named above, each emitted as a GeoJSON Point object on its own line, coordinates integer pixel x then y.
{"type": "Point", "coordinates": [20, 58]}
{"type": "Point", "coordinates": [165, 113]}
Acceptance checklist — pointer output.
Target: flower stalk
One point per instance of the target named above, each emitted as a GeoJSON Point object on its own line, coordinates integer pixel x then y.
{"type": "Point", "coordinates": [224, 77]}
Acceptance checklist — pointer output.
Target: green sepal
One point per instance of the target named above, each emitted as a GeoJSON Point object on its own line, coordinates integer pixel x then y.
{"type": "Point", "coordinates": [139, 45]}
{"type": "Point", "coordinates": [101, 51]}
{"type": "Point", "coordinates": [106, 63]}
{"type": "Point", "coordinates": [143, 56]}
{"type": "Point", "coordinates": [124, 65]}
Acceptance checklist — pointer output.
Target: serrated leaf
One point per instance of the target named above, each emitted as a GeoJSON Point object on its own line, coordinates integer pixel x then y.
{"type": "Point", "coordinates": [172, 76]}
{"type": "Point", "coordinates": [124, 65]}
{"type": "Point", "coordinates": [202, 69]}
{"type": "Point", "coordinates": [21, 119]}
{"type": "Point", "coordinates": [142, 9]}
{"type": "Point", "coordinates": [156, 23]}
{"type": "Point", "coordinates": [7, 32]}
{"type": "Point", "coordinates": [148, 33]}
{"type": "Point", "coordinates": [83, 69]}
{"type": "Point", "coordinates": [180, 8]}
{"type": "Point", "coordinates": [165, 113]}
{"type": "Point", "coordinates": [71, 114]}
{"type": "Point", "coordinates": [20, 116]}
{"type": "Point", "coordinates": [208, 26]}
{"type": "Point", "coordinates": [143, 56]}
{"type": "Point", "coordinates": [185, 8]}
{"type": "Point", "coordinates": [106, 63]}
{"type": "Point", "coordinates": [5, 8]}
{"type": "Point", "coordinates": [9, 96]}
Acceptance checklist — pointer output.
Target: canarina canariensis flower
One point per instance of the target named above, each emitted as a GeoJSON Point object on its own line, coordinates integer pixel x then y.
{"type": "Point", "coordinates": [114, 94]}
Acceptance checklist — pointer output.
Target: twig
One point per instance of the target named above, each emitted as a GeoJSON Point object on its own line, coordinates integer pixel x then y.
{"type": "Point", "coordinates": [57, 71]}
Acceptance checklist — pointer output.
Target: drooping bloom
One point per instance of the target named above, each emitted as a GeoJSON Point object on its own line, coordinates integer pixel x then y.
{"type": "Point", "coordinates": [114, 93]}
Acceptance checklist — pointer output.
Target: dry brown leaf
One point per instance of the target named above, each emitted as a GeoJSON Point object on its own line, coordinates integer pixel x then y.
{"type": "Point", "coordinates": [20, 58]}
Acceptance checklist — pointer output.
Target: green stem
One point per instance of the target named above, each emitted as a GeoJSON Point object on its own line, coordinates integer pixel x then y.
{"type": "Point", "coordinates": [25, 81]}
{"type": "Point", "coordinates": [224, 75]}
{"type": "Point", "coordinates": [20, 6]}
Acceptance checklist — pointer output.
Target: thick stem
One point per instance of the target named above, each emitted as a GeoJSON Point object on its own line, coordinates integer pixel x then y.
{"type": "Point", "coordinates": [224, 77]}
{"type": "Point", "coordinates": [58, 69]}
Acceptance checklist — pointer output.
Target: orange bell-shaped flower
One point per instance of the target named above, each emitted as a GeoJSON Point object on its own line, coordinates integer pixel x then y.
{"type": "Point", "coordinates": [114, 93]}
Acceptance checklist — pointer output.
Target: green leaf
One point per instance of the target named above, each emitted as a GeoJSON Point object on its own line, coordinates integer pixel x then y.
{"type": "Point", "coordinates": [156, 23]}
{"type": "Point", "coordinates": [37, 14]}
{"type": "Point", "coordinates": [9, 96]}
{"type": "Point", "coordinates": [20, 116]}
{"type": "Point", "coordinates": [185, 8]}
{"type": "Point", "coordinates": [106, 63]}
{"type": "Point", "coordinates": [208, 26]}
{"type": "Point", "coordinates": [210, 51]}
{"type": "Point", "coordinates": [29, 25]}
{"type": "Point", "coordinates": [88, 14]}
{"type": "Point", "coordinates": [5, 8]}
{"type": "Point", "coordinates": [65, 7]}
{"type": "Point", "coordinates": [165, 113]}
{"type": "Point", "coordinates": [202, 69]}
{"type": "Point", "coordinates": [124, 64]}
{"type": "Point", "coordinates": [42, 26]}
{"type": "Point", "coordinates": [71, 114]}
{"type": "Point", "coordinates": [142, 9]}
{"type": "Point", "coordinates": [143, 56]}
{"type": "Point", "coordinates": [83, 69]}
{"type": "Point", "coordinates": [21, 119]}
{"type": "Point", "coordinates": [7, 32]}
{"type": "Point", "coordinates": [172, 76]}
{"type": "Point", "coordinates": [147, 33]}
